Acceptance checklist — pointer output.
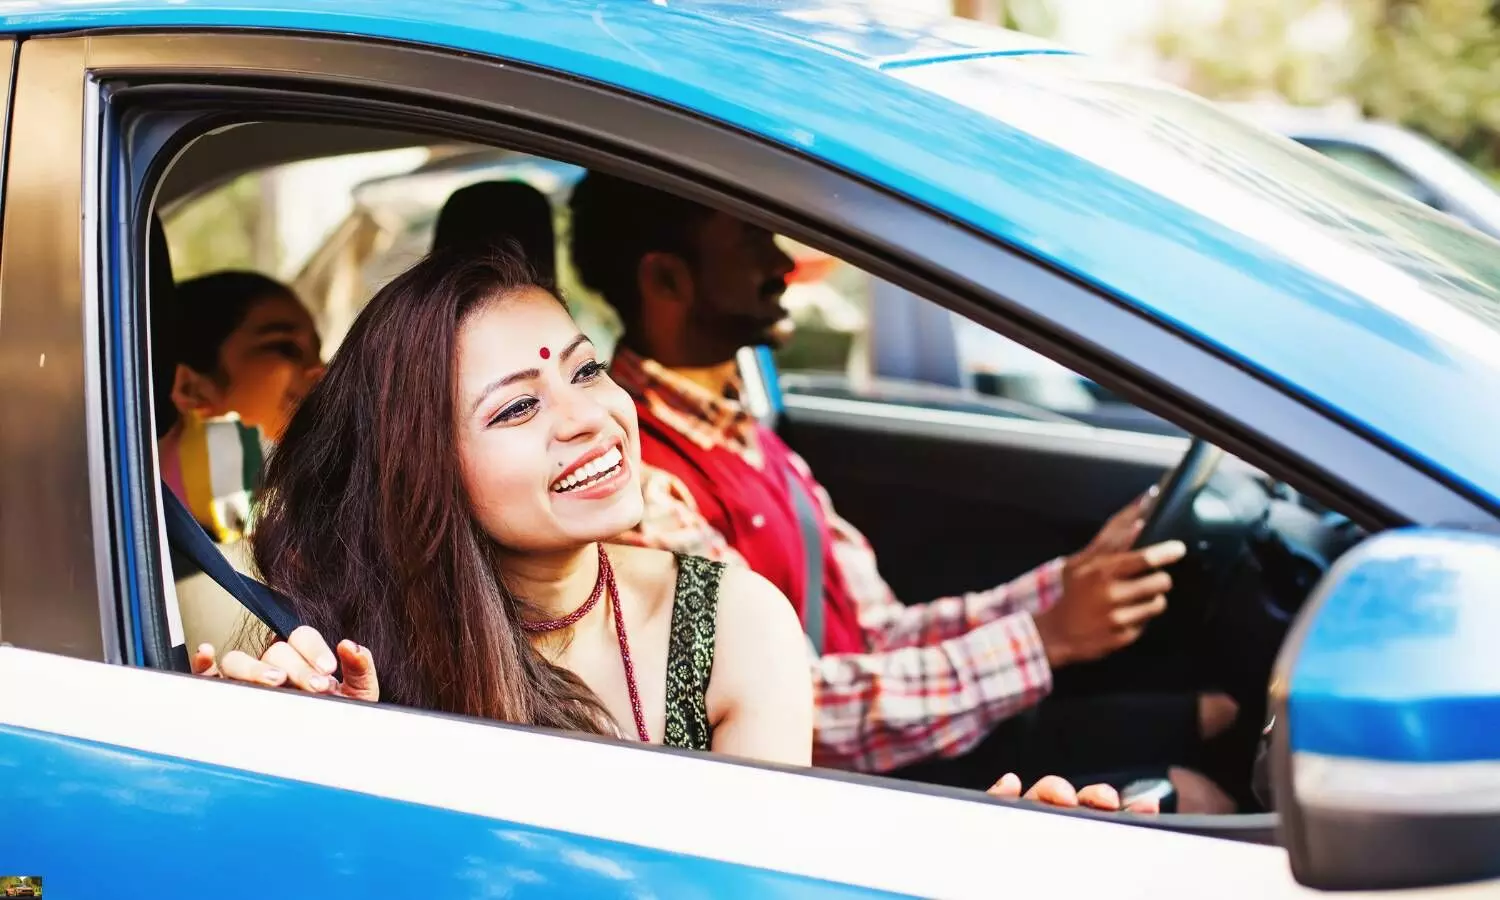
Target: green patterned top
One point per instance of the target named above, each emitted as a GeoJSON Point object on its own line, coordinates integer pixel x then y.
{"type": "Point", "coordinates": [690, 652]}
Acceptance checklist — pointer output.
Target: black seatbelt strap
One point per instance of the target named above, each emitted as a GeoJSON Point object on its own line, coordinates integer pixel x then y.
{"type": "Point", "coordinates": [188, 538]}
{"type": "Point", "coordinates": [812, 550]}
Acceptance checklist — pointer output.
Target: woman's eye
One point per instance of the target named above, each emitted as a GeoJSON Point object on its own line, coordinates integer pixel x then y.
{"type": "Point", "coordinates": [589, 371]}
{"type": "Point", "coordinates": [514, 411]}
{"type": "Point", "coordinates": [287, 349]}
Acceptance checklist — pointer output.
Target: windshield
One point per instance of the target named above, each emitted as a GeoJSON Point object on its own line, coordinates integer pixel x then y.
{"type": "Point", "coordinates": [1386, 247]}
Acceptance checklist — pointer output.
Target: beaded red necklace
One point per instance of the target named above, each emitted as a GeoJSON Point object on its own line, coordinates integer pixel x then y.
{"type": "Point", "coordinates": [606, 582]}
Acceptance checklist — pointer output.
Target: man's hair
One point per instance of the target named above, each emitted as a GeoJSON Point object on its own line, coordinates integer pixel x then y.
{"type": "Point", "coordinates": [617, 222]}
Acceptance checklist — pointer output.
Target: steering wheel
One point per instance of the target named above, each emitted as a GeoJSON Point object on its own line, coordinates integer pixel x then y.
{"type": "Point", "coordinates": [1172, 512]}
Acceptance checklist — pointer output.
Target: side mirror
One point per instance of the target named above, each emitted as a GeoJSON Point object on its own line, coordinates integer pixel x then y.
{"type": "Point", "coordinates": [1385, 747]}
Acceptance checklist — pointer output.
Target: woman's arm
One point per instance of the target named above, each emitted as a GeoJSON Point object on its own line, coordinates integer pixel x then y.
{"type": "Point", "coordinates": [760, 691]}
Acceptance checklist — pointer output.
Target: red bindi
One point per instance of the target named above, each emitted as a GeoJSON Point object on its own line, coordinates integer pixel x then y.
{"type": "Point", "coordinates": [546, 354]}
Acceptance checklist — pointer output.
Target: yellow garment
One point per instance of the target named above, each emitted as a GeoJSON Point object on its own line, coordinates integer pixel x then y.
{"type": "Point", "coordinates": [221, 461]}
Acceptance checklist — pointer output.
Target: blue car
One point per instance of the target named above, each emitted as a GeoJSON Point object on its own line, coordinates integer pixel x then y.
{"type": "Point", "coordinates": [1332, 349]}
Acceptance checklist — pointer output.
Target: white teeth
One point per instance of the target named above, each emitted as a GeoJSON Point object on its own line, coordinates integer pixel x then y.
{"type": "Point", "coordinates": [603, 465]}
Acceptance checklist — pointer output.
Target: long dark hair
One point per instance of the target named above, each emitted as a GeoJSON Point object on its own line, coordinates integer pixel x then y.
{"type": "Point", "coordinates": [365, 524]}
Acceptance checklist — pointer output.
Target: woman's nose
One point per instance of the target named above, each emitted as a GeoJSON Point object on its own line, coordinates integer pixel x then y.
{"type": "Point", "coordinates": [579, 415]}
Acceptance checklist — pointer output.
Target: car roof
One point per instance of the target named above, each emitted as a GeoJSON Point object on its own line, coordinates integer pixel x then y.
{"type": "Point", "coordinates": [1398, 366]}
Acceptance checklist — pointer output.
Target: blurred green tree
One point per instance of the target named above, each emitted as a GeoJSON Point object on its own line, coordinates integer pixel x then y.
{"type": "Point", "coordinates": [224, 228]}
{"type": "Point", "coordinates": [1432, 65]}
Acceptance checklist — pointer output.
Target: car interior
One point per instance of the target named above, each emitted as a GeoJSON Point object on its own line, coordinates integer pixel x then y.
{"type": "Point", "coordinates": [1000, 478]}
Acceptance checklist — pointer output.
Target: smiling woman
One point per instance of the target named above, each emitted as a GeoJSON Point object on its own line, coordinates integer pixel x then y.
{"type": "Point", "coordinates": [441, 503]}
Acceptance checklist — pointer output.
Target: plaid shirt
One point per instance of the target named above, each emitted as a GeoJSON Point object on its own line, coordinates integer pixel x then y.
{"type": "Point", "coordinates": [935, 677]}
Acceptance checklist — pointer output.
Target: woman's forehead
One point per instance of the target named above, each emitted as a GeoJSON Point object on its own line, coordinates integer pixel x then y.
{"type": "Point", "coordinates": [516, 326]}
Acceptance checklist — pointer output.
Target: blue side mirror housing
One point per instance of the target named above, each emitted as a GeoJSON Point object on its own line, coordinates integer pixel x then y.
{"type": "Point", "coordinates": [1385, 747]}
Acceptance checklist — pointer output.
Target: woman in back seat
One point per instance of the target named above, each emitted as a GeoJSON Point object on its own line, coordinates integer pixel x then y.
{"type": "Point", "coordinates": [237, 352]}
{"type": "Point", "coordinates": [244, 352]}
{"type": "Point", "coordinates": [444, 498]}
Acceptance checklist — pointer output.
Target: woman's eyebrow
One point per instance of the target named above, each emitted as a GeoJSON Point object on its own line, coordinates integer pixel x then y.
{"type": "Point", "coordinates": [499, 383]}
{"type": "Point", "coordinates": [573, 345]}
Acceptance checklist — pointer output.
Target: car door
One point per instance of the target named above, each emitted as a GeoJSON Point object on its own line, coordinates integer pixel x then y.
{"type": "Point", "coordinates": [156, 777]}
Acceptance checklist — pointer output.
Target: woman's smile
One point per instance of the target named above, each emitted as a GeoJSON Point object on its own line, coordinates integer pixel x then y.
{"type": "Point", "coordinates": [595, 475]}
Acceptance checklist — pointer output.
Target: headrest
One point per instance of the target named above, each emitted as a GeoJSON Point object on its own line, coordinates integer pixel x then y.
{"type": "Point", "coordinates": [491, 210]}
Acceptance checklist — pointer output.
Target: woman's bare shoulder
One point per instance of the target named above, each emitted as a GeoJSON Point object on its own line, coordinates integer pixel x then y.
{"type": "Point", "coordinates": [753, 610]}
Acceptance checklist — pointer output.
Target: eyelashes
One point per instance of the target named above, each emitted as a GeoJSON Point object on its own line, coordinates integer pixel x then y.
{"type": "Point", "coordinates": [587, 373]}
{"type": "Point", "coordinates": [515, 411]}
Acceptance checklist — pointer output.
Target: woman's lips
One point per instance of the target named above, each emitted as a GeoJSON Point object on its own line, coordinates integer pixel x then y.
{"type": "Point", "coordinates": [592, 472]}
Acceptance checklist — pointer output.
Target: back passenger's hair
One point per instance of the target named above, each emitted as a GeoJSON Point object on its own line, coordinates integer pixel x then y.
{"type": "Point", "coordinates": [365, 524]}
{"type": "Point", "coordinates": [615, 223]}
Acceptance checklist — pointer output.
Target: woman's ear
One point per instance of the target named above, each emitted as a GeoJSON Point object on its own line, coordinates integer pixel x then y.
{"type": "Point", "coordinates": [192, 392]}
{"type": "Point", "coordinates": [665, 278]}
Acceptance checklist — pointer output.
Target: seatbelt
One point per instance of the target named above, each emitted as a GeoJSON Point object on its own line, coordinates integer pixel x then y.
{"type": "Point", "coordinates": [187, 537]}
{"type": "Point", "coordinates": [812, 549]}
{"type": "Point", "coordinates": [812, 541]}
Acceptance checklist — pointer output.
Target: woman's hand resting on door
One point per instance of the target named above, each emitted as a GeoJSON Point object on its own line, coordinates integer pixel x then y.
{"type": "Point", "coordinates": [303, 661]}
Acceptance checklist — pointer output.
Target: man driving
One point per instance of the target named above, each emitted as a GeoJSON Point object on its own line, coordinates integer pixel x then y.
{"type": "Point", "coordinates": [898, 689]}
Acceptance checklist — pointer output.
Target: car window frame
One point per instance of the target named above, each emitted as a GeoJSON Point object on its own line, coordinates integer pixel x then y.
{"type": "Point", "coordinates": [547, 113]}
{"type": "Point", "coordinates": [1108, 340]}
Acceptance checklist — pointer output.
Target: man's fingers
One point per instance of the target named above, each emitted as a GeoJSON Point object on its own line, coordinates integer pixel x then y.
{"type": "Point", "coordinates": [204, 662]}
{"type": "Point", "coordinates": [1127, 636]}
{"type": "Point", "coordinates": [1099, 796]}
{"type": "Point", "coordinates": [1138, 589]}
{"type": "Point", "coordinates": [1216, 712]}
{"type": "Point", "coordinates": [360, 682]}
{"type": "Point", "coordinates": [240, 666]}
{"type": "Point", "coordinates": [1123, 565]}
{"type": "Point", "coordinates": [1140, 613]}
{"type": "Point", "coordinates": [306, 641]}
{"type": "Point", "coordinates": [1150, 806]}
{"type": "Point", "coordinates": [1053, 791]}
{"type": "Point", "coordinates": [297, 669]}
{"type": "Point", "coordinates": [1007, 788]}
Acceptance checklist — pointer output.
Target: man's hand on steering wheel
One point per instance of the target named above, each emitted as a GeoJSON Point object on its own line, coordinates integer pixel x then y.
{"type": "Point", "coordinates": [1109, 591]}
{"type": "Point", "coordinates": [1120, 532]}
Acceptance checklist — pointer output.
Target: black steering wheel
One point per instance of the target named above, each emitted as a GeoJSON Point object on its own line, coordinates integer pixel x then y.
{"type": "Point", "coordinates": [1171, 514]}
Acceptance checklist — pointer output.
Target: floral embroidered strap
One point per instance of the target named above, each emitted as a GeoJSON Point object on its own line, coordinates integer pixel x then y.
{"type": "Point", "coordinates": [690, 652]}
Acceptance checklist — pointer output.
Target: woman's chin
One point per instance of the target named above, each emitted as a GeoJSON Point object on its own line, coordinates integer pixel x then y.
{"type": "Point", "coordinates": [607, 521]}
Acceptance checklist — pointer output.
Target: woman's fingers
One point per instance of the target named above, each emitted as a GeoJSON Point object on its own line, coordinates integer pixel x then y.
{"type": "Point", "coordinates": [298, 670]}
{"type": "Point", "coordinates": [307, 642]}
{"type": "Point", "coordinates": [360, 682]}
{"type": "Point", "coordinates": [239, 666]}
{"type": "Point", "coordinates": [303, 660]}
{"type": "Point", "coordinates": [204, 663]}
